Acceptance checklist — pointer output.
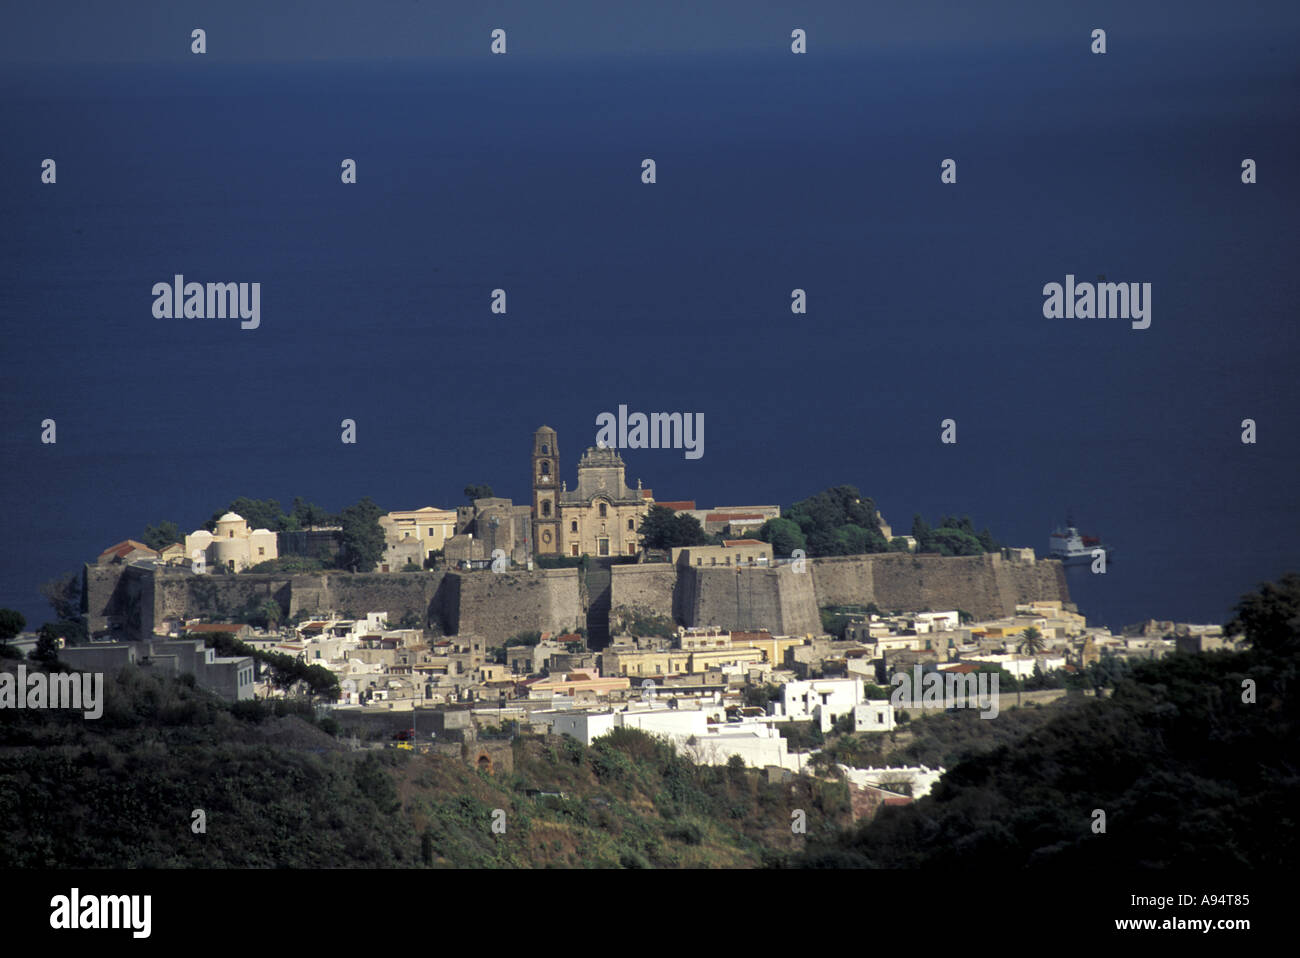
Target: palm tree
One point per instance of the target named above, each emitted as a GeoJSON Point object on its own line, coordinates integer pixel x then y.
{"type": "Point", "coordinates": [1031, 641]}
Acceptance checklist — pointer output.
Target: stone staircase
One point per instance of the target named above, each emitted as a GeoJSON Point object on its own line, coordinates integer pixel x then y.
{"type": "Point", "coordinates": [597, 584]}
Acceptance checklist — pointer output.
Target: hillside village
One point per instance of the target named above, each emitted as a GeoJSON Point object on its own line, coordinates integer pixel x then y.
{"type": "Point", "coordinates": [722, 682]}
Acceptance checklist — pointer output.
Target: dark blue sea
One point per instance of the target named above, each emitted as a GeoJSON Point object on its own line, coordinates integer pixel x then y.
{"type": "Point", "coordinates": [774, 172]}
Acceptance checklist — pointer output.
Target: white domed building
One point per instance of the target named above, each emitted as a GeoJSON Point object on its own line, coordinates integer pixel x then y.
{"type": "Point", "coordinates": [232, 546]}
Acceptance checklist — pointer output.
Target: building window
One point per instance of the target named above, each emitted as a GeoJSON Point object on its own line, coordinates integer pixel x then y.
{"type": "Point", "coordinates": [573, 527]}
{"type": "Point", "coordinates": [261, 550]}
{"type": "Point", "coordinates": [603, 511]}
{"type": "Point", "coordinates": [546, 509]}
{"type": "Point", "coordinates": [546, 468]}
{"type": "Point", "coordinates": [546, 450]}
{"type": "Point", "coordinates": [631, 525]}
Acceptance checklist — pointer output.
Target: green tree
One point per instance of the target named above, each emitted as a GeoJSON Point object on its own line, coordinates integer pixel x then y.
{"type": "Point", "coordinates": [308, 515]}
{"type": "Point", "coordinates": [952, 542]}
{"type": "Point", "coordinates": [47, 644]}
{"type": "Point", "coordinates": [1270, 618]}
{"type": "Point", "coordinates": [11, 623]}
{"type": "Point", "coordinates": [785, 536]}
{"type": "Point", "coordinates": [162, 535]}
{"type": "Point", "coordinates": [1031, 641]}
{"type": "Point", "coordinates": [662, 528]}
{"type": "Point", "coordinates": [268, 615]}
{"type": "Point", "coordinates": [523, 638]}
{"type": "Point", "coordinates": [363, 537]}
{"type": "Point", "coordinates": [757, 696]}
{"type": "Point", "coordinates": [64, 595]}
{"type": "Point", "coordinates": [478, 491]}
{"type": "Point", "coordinates": [321, 682]}
{"type": "Point", "coordinates": [853, 539]}
{"type": "Point", "coordinates": [821, 517]}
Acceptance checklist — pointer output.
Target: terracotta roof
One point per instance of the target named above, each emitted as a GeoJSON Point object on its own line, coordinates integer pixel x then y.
{"type": "Point", "coordinates": [126, 547]}
{"type": "Point", "coordinates": [743, 542]}
{"type": "Point", "coordinates": [216, 627]}
{"type": "Point", "coordinates": [963, 668]}
{"type": "Point", "coordinates": [679, 505]}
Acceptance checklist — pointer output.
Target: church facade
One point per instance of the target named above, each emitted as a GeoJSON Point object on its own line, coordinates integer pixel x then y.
{"type": "Point", "coordinates": [601, 517]}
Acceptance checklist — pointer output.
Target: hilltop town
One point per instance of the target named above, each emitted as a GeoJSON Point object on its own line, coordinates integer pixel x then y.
{"type": "Point", "coordinates": [561, 617]}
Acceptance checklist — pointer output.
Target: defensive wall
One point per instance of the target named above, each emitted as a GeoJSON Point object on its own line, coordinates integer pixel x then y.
{"type": "Point", "coordinates": [134, 599]}
{"type": "Point", "coordinates": [495, 606]}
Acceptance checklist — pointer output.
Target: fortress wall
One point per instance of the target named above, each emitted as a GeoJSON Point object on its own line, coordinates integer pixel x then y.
{"type": "Point", "coordinates": [913, 583]}
{"type": "Point", "coordinates": [750, 598]}
{"type": "Point", "coordinates": [103, 594]}
{"type": "Point", "coordinates": [986, 586]}
{"type": "Point", "coordinates": [118, 595]}
{"type": "Point", "coordinates": [184, 594]}
{"type": "Point", "coordinates": [798, 601]}
{"type": "Point", "coordinates": [845, 580]}
{"type": "Point", "coordinates": [493, 605]}
{"type": "Point", "coordinates": [1045, 579]}
{"type": "Point", "coordinates": [397, 593]}
{"type": "Point", "coordinates": [499, 605]}
{"type": "Point", "coordinates": [647, 589]}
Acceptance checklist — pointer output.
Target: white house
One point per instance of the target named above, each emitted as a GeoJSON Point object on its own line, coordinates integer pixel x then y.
{"type": "Point", "coordinates": [687, 730]}
{"type": "Point", "coordinates": [822, 700]}
{"type": "Point", "coordinates": [873, 716]}
{"type": "Point", "coordinates": [926, 622]}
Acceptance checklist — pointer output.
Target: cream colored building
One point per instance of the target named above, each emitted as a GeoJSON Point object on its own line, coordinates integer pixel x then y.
{"type": "Point", "coordinates": [430, 527]}
{"type": "Point", "coordinates": [773, 647]}
{"type": "Point", "coordinates": [636, 663]}
{"type": "Point", "coordinates": [232, 546]}
{"type": "Point", "coordinates": [744, 552]}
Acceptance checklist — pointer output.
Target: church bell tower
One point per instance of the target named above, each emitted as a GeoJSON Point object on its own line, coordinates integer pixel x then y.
{"type": "Point", "coordinates": [546, 496]}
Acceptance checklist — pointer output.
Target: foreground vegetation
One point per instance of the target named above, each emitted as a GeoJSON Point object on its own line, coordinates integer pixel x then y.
{"type": "Point", "coordinates": [279, 790]}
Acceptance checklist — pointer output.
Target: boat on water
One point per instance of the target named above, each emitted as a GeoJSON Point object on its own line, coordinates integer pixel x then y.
{"type": "Point", "coordinates": [1073, 548]}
